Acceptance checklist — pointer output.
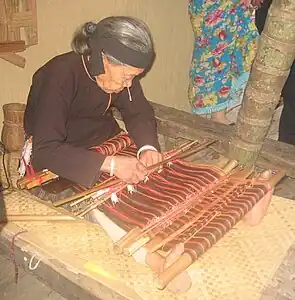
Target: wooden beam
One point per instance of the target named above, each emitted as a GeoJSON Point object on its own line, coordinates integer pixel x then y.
{"type": "Point", "coordinates": [57, 275]}
{"type": "Point", "coordinates": [285, 189]}
{"type": "Point", "coordinates": [12, 46]}
{"type": "Point", "coordinates": [14, 58]}
{"type": "Point", "coordinates": [180, 124]}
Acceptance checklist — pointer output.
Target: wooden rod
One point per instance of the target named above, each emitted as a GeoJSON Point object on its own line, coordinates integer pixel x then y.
{"type": "Point", "coordinates": [14, 59]}
{"type": "Point", "coordinates": [91, 207]}
{"type": "Point", "coordinates": [37, 180]}
{"type": "Point", "coordinates": [12, 46]}
{"type": "Point", "coordinates": [29, 218]}
{"type": "Point", "coordinates": [153, 242]}
{"type": "Point", "coordinates": [232, 164]}
{"type": "Point", "coordinates": [136, 245]}
{"type": "Point", "coordinates": [125, 241]}
{"type": "Point", "coordinates": [275, 179]}
{"type": "Point", "coordinates": [108, 183]}
{"type": "Point", "coordinates": [180, 265]}
{"type": "Point", "coordinates": [182, 153]}
{"type": "Point", "coordinates": [242, 173]}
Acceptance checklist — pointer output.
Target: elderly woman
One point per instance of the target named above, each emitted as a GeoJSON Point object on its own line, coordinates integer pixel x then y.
{"type": "Point", "coordinates": [69, 100]}
{"type": "Point", "coordinates": [68, 111]}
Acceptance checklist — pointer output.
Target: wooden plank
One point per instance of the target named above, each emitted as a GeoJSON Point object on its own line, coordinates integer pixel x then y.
{"type": "Point", "coordinates": [7, 274]}
{"type": "Point", "coordinates": [27, 287]}
{"type": "Point", "coordinates": [59, 278]}
{"type": "Point", "coordinates": [22, 19]}
{"type": "Point", "coordinates": [180, 124]}
{"type": "Point", "coordinates": [286, 188]}
{"type": "Point", "coordinates": [3, 32]}
{"type": "Point", "coordinates": [13, 32]}
{"type": "Point", "coordinates": [18, 21]}
{"type": "Point", "coordinates": [12, 46]}
{"type": "Point", "coordinates": [3, 15]}
{"type": "Point", "coordinates": [31, 33]}
{"type": "Point", "coordinates": [14, 58]}
{"type": "Point", "coordinates": [3, 23]}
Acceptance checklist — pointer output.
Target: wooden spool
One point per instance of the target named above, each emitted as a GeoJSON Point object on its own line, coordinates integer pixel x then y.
{"type": "Point", "coordinates": [13, 130]}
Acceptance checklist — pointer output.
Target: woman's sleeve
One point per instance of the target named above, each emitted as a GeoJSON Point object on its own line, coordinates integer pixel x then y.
{"type": "Point", "coordinates": [50, 149]}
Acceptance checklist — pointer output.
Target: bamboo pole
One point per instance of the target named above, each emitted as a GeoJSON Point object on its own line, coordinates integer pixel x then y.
{"type": "Point", "coordinates": [37, 218]}
{"type": "Point", "coordinates": [276, 53]}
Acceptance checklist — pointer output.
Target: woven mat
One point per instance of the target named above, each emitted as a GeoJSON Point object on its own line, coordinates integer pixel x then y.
{"type": "Point", "coordinates": [238, 267]}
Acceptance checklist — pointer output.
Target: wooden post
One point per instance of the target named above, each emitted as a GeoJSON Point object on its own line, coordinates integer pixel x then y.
{"type": "Point", "coordinates": [276, 53]}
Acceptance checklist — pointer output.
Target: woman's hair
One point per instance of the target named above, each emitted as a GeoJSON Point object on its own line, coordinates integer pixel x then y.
{"type": "Point", "coordinates": [130, 32]}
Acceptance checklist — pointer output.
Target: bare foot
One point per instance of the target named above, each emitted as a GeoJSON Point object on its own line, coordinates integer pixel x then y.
{"type": "Point", "coordinates": [158, 264]}
{"type": "Point", "coordinates": [256, 214]}
{"type": "Point", "coordinates": [205, 116]}
{"type": "Point", "coordinates": [220, 117]}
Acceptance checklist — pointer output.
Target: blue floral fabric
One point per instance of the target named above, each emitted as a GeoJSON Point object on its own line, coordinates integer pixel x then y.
{"type": "Point", "coordinates": [225, 38]}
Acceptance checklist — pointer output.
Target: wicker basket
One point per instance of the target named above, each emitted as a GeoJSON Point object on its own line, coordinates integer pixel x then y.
{"type": "Point", "coordinates": [13, 131]}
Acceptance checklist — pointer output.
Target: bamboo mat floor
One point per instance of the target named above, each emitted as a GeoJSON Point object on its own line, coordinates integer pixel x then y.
{"type": "Point", "coordinates": [28, 286]}
{"type": "Point", "coordinates": [282, 286]}
{"type": "Point", "coordinates": [251, 256]}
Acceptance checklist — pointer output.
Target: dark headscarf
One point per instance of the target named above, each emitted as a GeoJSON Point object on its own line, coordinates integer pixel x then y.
{"type": "Point", "coordinates": [99, 44]}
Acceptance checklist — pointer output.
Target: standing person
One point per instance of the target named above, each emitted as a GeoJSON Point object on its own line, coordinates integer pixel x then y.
{"type": "Point", "coordinates": [224, 48]}
{"type": "Point", "coordinates": [287, 120]}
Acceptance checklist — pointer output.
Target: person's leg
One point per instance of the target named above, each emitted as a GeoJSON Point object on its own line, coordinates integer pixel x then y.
{"type": "Point", "coordinates": [261, 15]}
{"type": "Point", "coordinates": [219, 82]}
{"type": "Point", "coordinates": [287, 120]}
{"type": "Point", "coordinates": [209, 72]}
{"type": "Point", "coordinates": [220, 117]}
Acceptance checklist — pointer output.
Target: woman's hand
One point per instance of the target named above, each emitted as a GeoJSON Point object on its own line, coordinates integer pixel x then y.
{"type": "Point", "coordinates": [150, 158]}
{"type": "Point", "coordinates": [128, 169]}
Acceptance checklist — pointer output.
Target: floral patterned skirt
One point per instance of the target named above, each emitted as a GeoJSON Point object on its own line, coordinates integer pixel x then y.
{"type": "Point", "coordinates": [224, 48]}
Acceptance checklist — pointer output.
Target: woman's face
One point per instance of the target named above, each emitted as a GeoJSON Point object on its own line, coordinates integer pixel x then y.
{"type": "Point", "coordinates": [116, 77]}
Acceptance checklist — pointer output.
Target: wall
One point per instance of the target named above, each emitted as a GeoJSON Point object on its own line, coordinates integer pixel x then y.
{"type": "Point", "coordinates": [166, 83]}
